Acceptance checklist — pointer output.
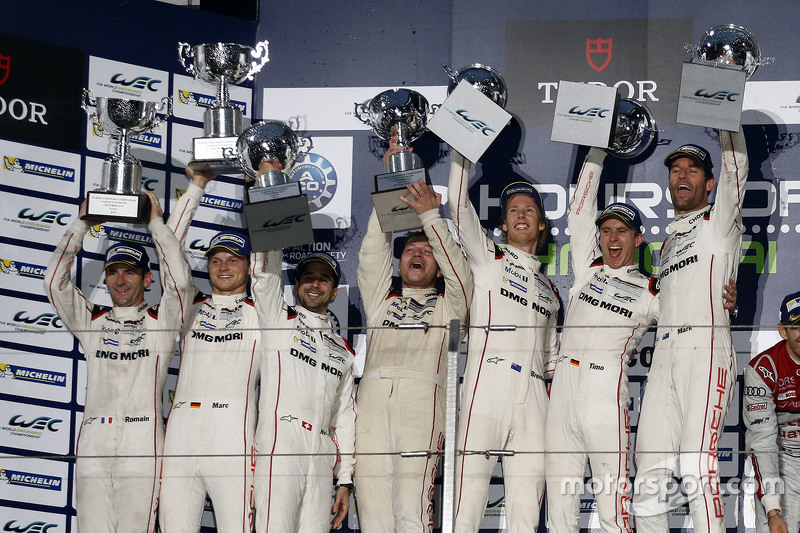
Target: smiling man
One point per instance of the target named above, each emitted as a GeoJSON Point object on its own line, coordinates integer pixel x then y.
{"type": "Point", "coordinates": [211, 428]}
{"type": "Point", "coordinates": [401, 396]}
{"type": "Point", "coordinates": [690, 383]}
{"type": "Point", "coordinates": [307, 411]}
{"type": "Point", "coordinates": [128, 348]}
{"type": "Point", "coordinates": [589, 397]}
{"type": "Point", "coordinates": [512, 349]}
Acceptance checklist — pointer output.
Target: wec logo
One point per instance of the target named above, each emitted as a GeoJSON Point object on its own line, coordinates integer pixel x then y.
{"type": "Point", "coordinates": [591, 112]}
{"type": "Point", "coordinates": [33, 527]}
{"type": "Point", "coordinates": [139, 82]}
{"type": "Point", "coordinates": [48, 217]}
{"type": "Point", "coordinates": [40, 422]}
{"type": "Point", "coordinates": [716, 95]}
{"type": "Point", "coordinates": [286, 221]}
{"type": "Point", "coordinates": [45, 319]}
{"type": "Point", "coordinates": [475, 123]}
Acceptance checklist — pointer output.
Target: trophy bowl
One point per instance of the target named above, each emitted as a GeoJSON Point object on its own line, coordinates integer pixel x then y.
{"type": "Point", "coordinates": [136, 116]}
{"type": "Point", "coordinates": [269, 139]}
{"type": "Point", "coordinates": [730, 44]}
{"type": "Point", "coordinates": [400, 112]}
{"type": "Point", "coordinates": [634, 131]}
{"type": "Point", "coordinates": [231, 62]}
{"type": "Point", "coordinates": [484, 78]}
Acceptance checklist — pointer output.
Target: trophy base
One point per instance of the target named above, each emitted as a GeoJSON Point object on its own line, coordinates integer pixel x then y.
{"type": "Point", "coordinates": [209, 153]}
{"type": "Point", "coordinates": [393, 213]}
{"type": "Point", "coordinates": [112, 207]}
{"type": "Point", "coordinates": [279, 223]}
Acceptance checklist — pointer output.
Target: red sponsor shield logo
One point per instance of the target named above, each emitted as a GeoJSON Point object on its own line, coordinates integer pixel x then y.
{"type": "Point", "coordinates": [598, 50]}
{"type": "Point", "coordinates": [5, 68]}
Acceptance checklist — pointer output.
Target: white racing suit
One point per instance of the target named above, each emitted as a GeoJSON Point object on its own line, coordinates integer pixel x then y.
{"type": "Point", "coordinates": [690, 383]}
{"type": "Point", "coordinates": [128, 350]}
{"type": "Point", "coordinates": [402, 392]}
{"type": "Point", "coordinates": [504, 400]}
{"type": "Point", "coordinates": [211, 427]}
{"type": "Point", "coordinates": [771, 413]}
{"type": "Point", "coordinates": [306, 424]}
{"type": "Point", "coordinates": [608, 312]}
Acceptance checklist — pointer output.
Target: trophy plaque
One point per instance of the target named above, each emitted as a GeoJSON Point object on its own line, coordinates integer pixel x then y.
{"type": "Point", "coordinates": [401, 113]}
{"type": "Point", "coordinates": [470, 120]}
{"type": "Point", "coordinates": [712, 83]}
{"type": "Point", "coordinates": [222, 64]}
{"type": "Point", "coordinates": [277, 212]}
{"type": "Point", "coordinates": [121, 198]}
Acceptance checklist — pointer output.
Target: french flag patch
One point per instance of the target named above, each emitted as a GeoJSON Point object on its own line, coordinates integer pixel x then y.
{"type": "Point", "coordinates": [306, 426]}
{"type": "Point", "coordinates": [106, 420]}
{"type": "Point", "coordinates": [516, 367]}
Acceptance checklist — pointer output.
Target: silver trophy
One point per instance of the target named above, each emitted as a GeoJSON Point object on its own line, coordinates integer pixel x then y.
{"type": "Point", "coordinates": [278, 214]}
{"type": "Point", "coordinates": [397, 112]}
{"type": "Point", "coordinates": [729, 46]}
{"type": "Point", "coordinates": [634, 130]}
{"type": "Point", "coordinates": [712, 83]}
{"type": "Point", "coordinates": [484, 78]}
{"type": "Point", "coordinates": [400, 113]}
{"type": "Point", "coordinates": [222, 64]}
{"type": "Point", "coordinates": [121, 198]}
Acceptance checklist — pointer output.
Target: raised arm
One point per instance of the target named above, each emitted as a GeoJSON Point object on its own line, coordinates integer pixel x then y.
{"type": "Point", "coordinates": [175, 307]}
{"type": "Point", "coordinates": [374, 266]}
{"type": "Point", "coordinates": [69, 302]}
{"type": "Point", "coordinates": [267, 286]}
{"type": "Point", "coordinates": [582, 212]}
{"type": "Point", "coordinates": [478, 247]}
{"type": "Point", "coordinates": [183, 212]}
{"type": "Point", "coordinates": [731, 183]}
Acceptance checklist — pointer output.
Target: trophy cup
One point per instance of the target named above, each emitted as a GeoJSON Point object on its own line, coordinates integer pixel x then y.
{"type": "Point", "coordinates": [223, 64]}
{"type": "Point", "coordinates": [634, 130]}
{"type": "Point", "coordinates": [121, 198]}
{"type": "Point", "coordinates": [712, 83]}
{"type": "Point", "coordinates": [277, 212]}
{"type": "Point", "coordinates": [484, 78]}
{"type": "Point", "coordinates": [729, 46]}
{"type": "Point", "coordinates": [402, 113]}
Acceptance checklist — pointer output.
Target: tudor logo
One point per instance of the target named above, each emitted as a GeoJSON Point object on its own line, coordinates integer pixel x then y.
{"type": "Point", "coordinates": [5, 68]}
{"type": "Point", "coordinates": [602, 48]}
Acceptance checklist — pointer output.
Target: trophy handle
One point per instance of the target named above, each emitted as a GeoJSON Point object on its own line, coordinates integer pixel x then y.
{"type": "Point", "coordinates": [452, 74]}
{"type": "Point", "coordinates": [361, 112]}
{"type": "Point", "coordinates": [260, 51]}
{"type": "Point", "coordinates": [164, 107]}
{"type": "Point", "coordinates": [231, 156]}
{"type": "Point", "coordinates": [185, 52]}
{"type": "Point", "coordinates": [434, 108]}
{"type": "Point", "coordinates": [88, 99]}
{"type": "Point", "coordinates": [305, 146]}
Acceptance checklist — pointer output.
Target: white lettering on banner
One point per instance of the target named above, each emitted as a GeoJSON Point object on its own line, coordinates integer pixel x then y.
{"type": "Point", "coordinates": [19, 110]}
{"type": "Point", "coordinates": [650, 196]}
{"type": "Point", "coordinates": [646, 90]}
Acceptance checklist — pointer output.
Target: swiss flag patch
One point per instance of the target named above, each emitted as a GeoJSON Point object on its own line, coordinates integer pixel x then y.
{"type": "Point", "coordinates": [306, 425]}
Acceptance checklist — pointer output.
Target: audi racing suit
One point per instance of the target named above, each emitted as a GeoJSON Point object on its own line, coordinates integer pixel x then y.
{"type": "Point", "coordinates": [211, 427]}
{"type": "Point", "coordinates": [608, 312]}
{"type": "Point", "coordinates": [128, 350]}
{"type": "Point", "coordinates": [504, 400]}
{"type": "Point", "coordinates": [690, 382]}
{"type": "Point", "coordinates": [401, 395]}
{"type": "Point", "coordinates": [772, 417]}
{"type": "Point", "coordinates": [306, 425]}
